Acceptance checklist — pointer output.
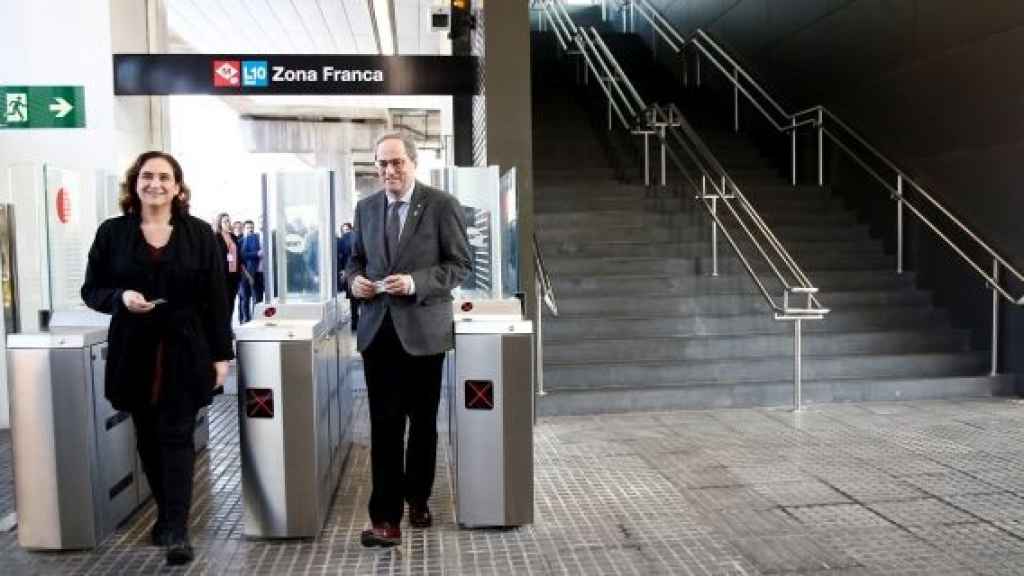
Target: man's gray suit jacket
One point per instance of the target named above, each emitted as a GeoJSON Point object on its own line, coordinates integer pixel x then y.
{"type": "Point", "coordinates": [433, 249]}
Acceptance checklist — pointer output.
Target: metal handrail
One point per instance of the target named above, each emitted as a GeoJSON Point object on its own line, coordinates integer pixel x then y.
{"type": "Point", "coordinates": [662, 122]}
{"type": "Point", "coordinates": [792, 121]}
{"type": "Point", "coordinates": [544, 279]}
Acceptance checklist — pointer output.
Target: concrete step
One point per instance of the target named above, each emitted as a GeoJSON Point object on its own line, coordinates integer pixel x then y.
{"type": "Point", "coordinates": [848, 319]}
{"type": "Point", "coordinates": [695, 248]}
{"type": "Point", "coordinates": [779, 368]}
{"type": "Point", "coordinates": [578, 230]}
{"type": "Point", "coordinates": [734, 347]}
{"type": "Point", "coordinates": [727, 262]}
{"type": "Point", "coordinates": [768, 393]}
{"type": "Point", "coordinates": [570, 305]}
{"type": "Point", "coordinates": [726, 283]}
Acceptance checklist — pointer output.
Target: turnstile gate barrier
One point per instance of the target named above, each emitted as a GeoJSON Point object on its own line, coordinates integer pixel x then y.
{"type": "Point", "coordinates": [489, 378]}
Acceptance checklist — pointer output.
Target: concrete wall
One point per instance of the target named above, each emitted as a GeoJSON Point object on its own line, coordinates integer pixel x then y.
{"type": "Point", "coordinates": [934, 84]}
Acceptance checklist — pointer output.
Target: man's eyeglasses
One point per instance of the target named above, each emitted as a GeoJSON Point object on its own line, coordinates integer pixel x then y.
{"type": "Point", "coordinates": [396, 163]}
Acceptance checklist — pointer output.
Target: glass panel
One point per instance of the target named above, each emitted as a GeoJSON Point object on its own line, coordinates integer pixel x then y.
{"type": "Point", "coordinates": [478, 192]}
{"type": "Point", "coordinates": [69, 227]}
{"type": "Point", "coordinates": [509, 235]}
{"type": "Point", "coordinates": [25, 192]}
{"type": "Point", "coordinates": [301, 222]}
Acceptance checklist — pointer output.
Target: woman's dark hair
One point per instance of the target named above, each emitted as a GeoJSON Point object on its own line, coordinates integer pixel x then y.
{"type": "Point", "coordinates": [129, 198]}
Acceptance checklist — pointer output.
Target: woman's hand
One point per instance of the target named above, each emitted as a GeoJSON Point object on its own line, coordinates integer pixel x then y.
{"type": "Point", "coordinates": [136, 302]}
{"type": "Point", "coordinates": [221, 368]}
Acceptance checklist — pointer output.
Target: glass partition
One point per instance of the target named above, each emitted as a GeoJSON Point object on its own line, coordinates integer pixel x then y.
{"type": "Point", "coordinates": [69, 232]}
{"type": "Point", "coordinates": [491, 208]}
{"type": "Point", "coordinates": [509, 226]}
{"type": "Point", "coordinates": [301, 224]}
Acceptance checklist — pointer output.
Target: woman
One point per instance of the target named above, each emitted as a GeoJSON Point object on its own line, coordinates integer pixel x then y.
{"type": "Point", "coordinates": [158, 272]}
{"type": "Point", "coordinates": [229, 251]}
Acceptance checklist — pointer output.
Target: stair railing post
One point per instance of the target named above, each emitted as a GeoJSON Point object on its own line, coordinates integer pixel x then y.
{"type": "Point", "coordinates": [538, 334]}
{"type": "Point", "coordinates": [609, 115]}
{"type": "Point", "coordinates": [714, 228]}
{"type": "Point", "coordinates": [995, 318]}
{"type": "Point", "coordinates": [632, 16]}
{"type": "Point", "coordinates": [663, 174]}
{"type": "Point", "coordinates": [604, 10]}
{"type": "Point", "coordinates": [792, 149]}
{"type": "Point", "coordinates": [821, 147]}
{"type": "Point", "coordinates": [735, 100]}
{"type": "Point", "coordinates": [647, 158]}
{"type": "Point", "coordinates": [797, 365]}
{"type": "Point", "coordinates": [899, 223]}
{"type": "Point", "coordinates": [686, 68]}
{"type": "Point", "coordinates": [697, 57]}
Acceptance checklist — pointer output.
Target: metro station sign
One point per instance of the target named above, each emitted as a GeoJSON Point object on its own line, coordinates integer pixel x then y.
{"type": "Point", "coordinates": [42, 107]}
{"type": "Point", "coordinates": [163, 74]}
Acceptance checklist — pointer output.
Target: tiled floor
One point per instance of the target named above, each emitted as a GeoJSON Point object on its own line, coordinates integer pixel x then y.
{"type": "Point", "coordinates": [911, 488]}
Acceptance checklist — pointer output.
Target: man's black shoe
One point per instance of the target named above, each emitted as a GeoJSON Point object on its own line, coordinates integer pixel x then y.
{"type": "Point", "coordinates": [383, 534]}
{"type": "Point", "coordinates": [179, 552]}
{"type": "Point", "coordinates": [419, 516]}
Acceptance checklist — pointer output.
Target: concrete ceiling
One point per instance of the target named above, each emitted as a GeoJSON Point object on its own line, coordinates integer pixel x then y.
{"type": "Point", "coordinates": [308, 27]}
{"type": "Point", "coordinates": [303, 26]}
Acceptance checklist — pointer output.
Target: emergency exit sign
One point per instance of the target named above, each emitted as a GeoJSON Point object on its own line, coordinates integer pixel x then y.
{"type": "Point", "coordinates": [42, 107]}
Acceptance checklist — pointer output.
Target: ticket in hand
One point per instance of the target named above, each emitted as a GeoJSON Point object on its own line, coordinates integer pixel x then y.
{"type": "Point", "coordinates": [378, 286]}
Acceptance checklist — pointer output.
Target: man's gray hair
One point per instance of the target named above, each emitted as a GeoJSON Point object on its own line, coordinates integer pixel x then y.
{"type": "Point", "coordinates": [405, 139]}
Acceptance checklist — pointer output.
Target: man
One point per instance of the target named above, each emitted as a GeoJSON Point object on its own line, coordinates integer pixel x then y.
{"type": "Point", "coordinates": [251, 256]}
{"type": "Point", "coordinates": [344, 253]}
{"type": "Point", "coordinates": [408, 252]}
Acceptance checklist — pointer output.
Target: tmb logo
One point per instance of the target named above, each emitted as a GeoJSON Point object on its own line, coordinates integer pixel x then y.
{"type": "Point", "coordinates": [254, 73]}
{"type": "Point", "coordinates": [226, 73]}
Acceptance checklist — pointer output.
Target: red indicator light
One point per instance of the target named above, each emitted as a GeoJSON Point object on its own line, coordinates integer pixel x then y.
{"type": "Point", "coordinates": [269, 312]}
{"type": "Point", "coordinates": [467, 306]}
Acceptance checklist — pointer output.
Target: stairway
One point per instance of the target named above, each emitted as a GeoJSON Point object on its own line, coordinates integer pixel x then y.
{"type": "Point", "coordinates": [643, 325]}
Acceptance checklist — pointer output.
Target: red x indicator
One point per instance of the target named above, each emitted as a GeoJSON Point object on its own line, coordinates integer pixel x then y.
{"type": "Point", "coordinates": [259, 403]}
{"type": "Point", "coordinates": [479, 395]}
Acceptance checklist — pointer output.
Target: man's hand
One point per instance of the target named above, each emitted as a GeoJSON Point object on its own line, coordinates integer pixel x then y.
{"type": "Point", "coordinates": [398, 284]}
{"type": "Point", "coordinates": [362, 288]}
{"type": "Point", "coordinates": [221, 368]}
{"type": "Point", "coordinates": [136, 302]}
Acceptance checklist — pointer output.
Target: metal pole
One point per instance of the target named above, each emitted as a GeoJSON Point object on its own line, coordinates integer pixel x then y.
{"type": "Point", "coordinates": [698, 69]}
{"type": "Point", "coordinates": [604, 10]}
{"type": "Point", "coordinates": [821, 148]}
{"type": "Point", "coordinates": [714, 237]}
{"type": "Point", "coordinates": [609, 115]}
{"type": "Point", "coordinates": [686, 70]}
{"type": "Point", "coordinates": [899, 223]}
{"type": "Point", "coordinates": [792, 151]}
{"type": "Point", "coordinates": [586, 69]}
{"type": "Point", "coordinates": [797, 366]}
{"type": "Point", "coordinates": [663, 182]}
{"type": "Point", "coordinates": [538, 343]}
{"type": "Point", "coordinates": [995, 318]}
{"type": "Point", "coordinates": [735, 100]}
{"type": "Point", "coordinates": [647, 160]}
{"type": "Point", "coordinates": [632, 17]}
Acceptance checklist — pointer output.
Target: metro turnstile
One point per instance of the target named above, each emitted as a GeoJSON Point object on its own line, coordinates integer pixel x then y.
{"type": "Point", "coordinates": [295, 414]}
{"type": "Point", "coordinates": [76, 474]}
{"type": "Point", "coordinates": [489, 379]}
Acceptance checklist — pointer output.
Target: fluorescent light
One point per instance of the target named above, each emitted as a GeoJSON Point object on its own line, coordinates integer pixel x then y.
{"type": "Point", "coordinates": [382, 17]}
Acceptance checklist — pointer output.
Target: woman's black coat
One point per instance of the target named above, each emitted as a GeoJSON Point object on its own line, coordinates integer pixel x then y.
{"type": "Point", "coordinates": [192, 324]}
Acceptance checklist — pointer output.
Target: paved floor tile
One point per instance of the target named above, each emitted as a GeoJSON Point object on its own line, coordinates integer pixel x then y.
{"type": "Point", "coordinates": [929, 488]}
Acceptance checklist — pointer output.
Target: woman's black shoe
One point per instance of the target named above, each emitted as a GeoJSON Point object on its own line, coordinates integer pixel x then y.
{"type": "Point", "coordinates": [159, 535]}
{"type": "Point", "coordinates": [179, 551]}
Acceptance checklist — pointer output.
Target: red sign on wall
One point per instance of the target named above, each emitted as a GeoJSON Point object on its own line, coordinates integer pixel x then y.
{"type": "Point", "coordinates": [63, 205]}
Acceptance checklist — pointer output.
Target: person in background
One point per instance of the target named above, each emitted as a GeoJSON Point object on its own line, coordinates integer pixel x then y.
{"type": "Point", "coordinates": [229, 252]}
{"type": "Point", "coordinates": [237, 230]}
{"type": "Point", "coordinates": [251, 256]}
{"type": "Point", "coordinates": [159, 274]}
{"type": "Point", "coordinates": [344, 252]}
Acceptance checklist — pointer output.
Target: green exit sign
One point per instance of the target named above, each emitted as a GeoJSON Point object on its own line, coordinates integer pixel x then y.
{"type": "Point", "coordinates": [42, 107]}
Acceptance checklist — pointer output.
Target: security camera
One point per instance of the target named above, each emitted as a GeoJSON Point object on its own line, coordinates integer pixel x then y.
{"type": "Point", "coordinates": [440, 18]}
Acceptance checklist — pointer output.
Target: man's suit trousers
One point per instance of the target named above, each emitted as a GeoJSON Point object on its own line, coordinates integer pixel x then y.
{"type": "Point", "coordinates": [400, 386]}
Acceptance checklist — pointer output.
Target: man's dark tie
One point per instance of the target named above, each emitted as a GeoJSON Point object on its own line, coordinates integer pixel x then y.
{"type": "Point", "coordinates": [393, 229]}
